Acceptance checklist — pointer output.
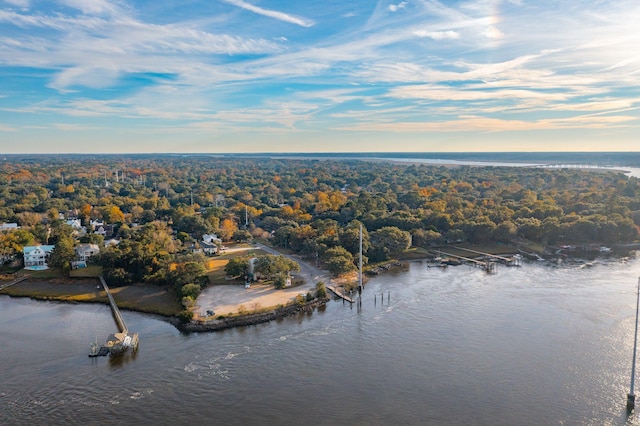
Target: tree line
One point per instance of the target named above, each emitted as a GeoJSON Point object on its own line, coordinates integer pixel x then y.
{"type": "Point", "coordinates": [159, 204]}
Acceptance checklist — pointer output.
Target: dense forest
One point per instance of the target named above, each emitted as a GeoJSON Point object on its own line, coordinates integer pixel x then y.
{"type": "Point", "coordinates": [158, 206]}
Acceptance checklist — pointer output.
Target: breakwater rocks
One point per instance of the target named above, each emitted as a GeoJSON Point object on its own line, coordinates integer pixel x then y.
{"type": "Point", "coordinates": [251, 319]}
{"type": "Point", "coordinates": [384, 268]}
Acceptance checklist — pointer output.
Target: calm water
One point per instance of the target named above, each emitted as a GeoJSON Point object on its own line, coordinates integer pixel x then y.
{"type": "Point", "coordinates": [530, 345]}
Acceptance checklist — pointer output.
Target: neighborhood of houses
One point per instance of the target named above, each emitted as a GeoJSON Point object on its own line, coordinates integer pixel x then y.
{"type": "Point", "coordinates": [36, 257]}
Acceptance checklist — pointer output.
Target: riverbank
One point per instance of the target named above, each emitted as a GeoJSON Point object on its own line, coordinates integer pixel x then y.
{"type": "Point", "coordinates": [149, 300]}
{"type": "Point", "coordinates": [139, 298]}
{"type": "Point", "coordinates": [223, 323]}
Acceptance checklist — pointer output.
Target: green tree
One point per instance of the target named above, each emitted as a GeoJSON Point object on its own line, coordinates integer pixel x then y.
{"type": "Point", "coordinates": [63, 253]}
{"type": "Point", "coordinates": [339, 261]}
{"type": "Point", "coordinates": [237, 266]}
{"type": "Point", "coordinates": [391, 237]}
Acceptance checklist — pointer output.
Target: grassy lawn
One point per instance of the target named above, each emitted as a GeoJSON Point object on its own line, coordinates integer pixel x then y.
{"type": "Point", "coordinates": [93, 271]}
{"type": "Point", "coordinates": [143, 298]}
{"type": "Point", "coordinates": [215, 265]}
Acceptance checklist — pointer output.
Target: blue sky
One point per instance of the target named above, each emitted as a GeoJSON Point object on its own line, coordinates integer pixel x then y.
{"type": "Point", "coordinates": [319, 76]}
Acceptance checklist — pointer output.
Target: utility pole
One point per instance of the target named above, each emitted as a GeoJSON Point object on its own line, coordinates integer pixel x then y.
{"type": "Point", "coordinates": [631, 397]}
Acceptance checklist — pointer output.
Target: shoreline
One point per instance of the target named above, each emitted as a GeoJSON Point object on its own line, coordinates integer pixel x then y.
{"type": "Point", "coordinates": [85, 291]}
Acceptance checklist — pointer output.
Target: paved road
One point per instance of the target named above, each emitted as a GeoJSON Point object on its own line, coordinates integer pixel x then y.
{"type": "Point", "coordinates": [225, 299]}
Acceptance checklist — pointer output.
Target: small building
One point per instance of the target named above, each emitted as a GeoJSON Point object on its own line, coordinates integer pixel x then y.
{"type": "Point", "coordinates": [36, 257]}
{"type": "Point", "coordinates": [85, 251]}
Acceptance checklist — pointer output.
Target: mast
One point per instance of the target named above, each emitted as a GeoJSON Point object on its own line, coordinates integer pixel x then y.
{"type": "Point", "coordinates": [631, 397]}
{"type": "Point", "coordinates": [360, 264]}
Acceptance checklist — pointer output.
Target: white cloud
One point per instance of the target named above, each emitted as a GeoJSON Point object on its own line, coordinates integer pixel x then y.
{"type": "Point", "coordinates": [396, 7]}
{"type": "Point", "coordinates": [281, 16]}
{"type": "Point", "coordinates": [94, 7]}
{"type": "Point", "coordinates": [438, 35]}
{"type": "Point", "coordinates": [4, 128]}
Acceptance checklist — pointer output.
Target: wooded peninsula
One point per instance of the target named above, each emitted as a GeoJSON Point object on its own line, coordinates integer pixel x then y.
{"type": "Point", "coordinates": [148, 214]}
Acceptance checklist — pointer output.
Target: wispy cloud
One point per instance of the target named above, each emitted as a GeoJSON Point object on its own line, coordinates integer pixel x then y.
{"type": "Point", "coordinates": [19, 3]}
{"type": "Point", "coordinates": [438, 35]}
{"type": "Point", "coordinates": [272, 13]}
{"type": "Point", "coordinates": [473, 66]}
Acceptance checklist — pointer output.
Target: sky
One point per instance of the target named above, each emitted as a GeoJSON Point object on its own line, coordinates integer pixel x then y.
{"type": "Point", "coordinates": [223, 76]}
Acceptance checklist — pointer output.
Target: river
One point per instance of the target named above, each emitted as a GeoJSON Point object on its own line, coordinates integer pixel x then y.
{"type": "Point", "coordinates": [537, 344]}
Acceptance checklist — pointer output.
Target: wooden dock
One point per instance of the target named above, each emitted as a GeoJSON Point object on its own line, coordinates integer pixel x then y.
{"type": "Point", "coordinates": [13, 282]}
{"type": "Point", "coordinates": [486, 265]}
{"type": "Point", "coordinates": [116, 343]}
{"type": "Point", "coordinates": [117, 316]}
{"type": "Point", "coordinates": [339, 293]}
{"type": "Point", "coordinates": [511, 261]}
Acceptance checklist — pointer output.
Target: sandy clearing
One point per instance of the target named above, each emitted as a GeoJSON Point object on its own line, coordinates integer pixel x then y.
{"type": "Point", "coordinates": [226, 299]}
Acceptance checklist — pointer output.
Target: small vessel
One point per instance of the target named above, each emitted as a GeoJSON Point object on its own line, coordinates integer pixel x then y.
{"type": "Point", "coordinates": [94, 349]}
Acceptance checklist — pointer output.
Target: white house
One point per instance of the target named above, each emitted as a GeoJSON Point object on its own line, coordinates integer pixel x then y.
{"type": "Point", "coordinates": [85, 251]}
{"type": "Point", "coordinates": [211, 239]}
{"type": "Point", "coordinates": [36, 257]}
{"type": "Point", "coordinates": [9, 226]}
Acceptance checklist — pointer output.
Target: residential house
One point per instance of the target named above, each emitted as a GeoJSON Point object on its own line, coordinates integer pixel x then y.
{"type": "Point", "coordinates": [9, 226]}
{"type": "Point", "coordinates": [78, 229]}
{"type": "Point", "coordinates": [208, 248]}
{"type": "Point", "coordinates": [211, 239]}
{"type": "Point", "coordinates": [85, 251]}
{"type": "Point", "coordinates": [36, 257]}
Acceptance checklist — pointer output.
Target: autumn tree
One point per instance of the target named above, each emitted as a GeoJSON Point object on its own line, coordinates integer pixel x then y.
{"type": "Point", "coordinates": [228, 227]}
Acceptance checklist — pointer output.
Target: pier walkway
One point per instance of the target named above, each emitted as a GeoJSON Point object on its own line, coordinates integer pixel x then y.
{"type": "Point", "coordinates": [122, 327]}
{"type": "Point", "coordinates": [116, 343]}
{"type": "Point", "coordinates": [13, 282]}
{"type": "Point", "coordinates": [486, 265]}
{"type": "Point", "coordinates": [503, 259]}
{"type": "Point", "coordinates": [339, 293]}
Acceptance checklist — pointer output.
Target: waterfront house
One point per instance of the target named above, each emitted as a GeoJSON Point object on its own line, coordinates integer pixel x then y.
{"type": "Point", "coordinates": [36, 257]}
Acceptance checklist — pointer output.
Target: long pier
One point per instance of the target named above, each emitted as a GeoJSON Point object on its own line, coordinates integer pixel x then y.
{"type": "Point", "coordinates": [117, 316]}
{"type": "Point", "coordinates": [116, 343]}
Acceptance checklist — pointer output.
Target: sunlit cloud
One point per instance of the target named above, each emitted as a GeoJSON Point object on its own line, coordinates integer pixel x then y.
{"type": "Point", "coordinates": [473, 66]}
